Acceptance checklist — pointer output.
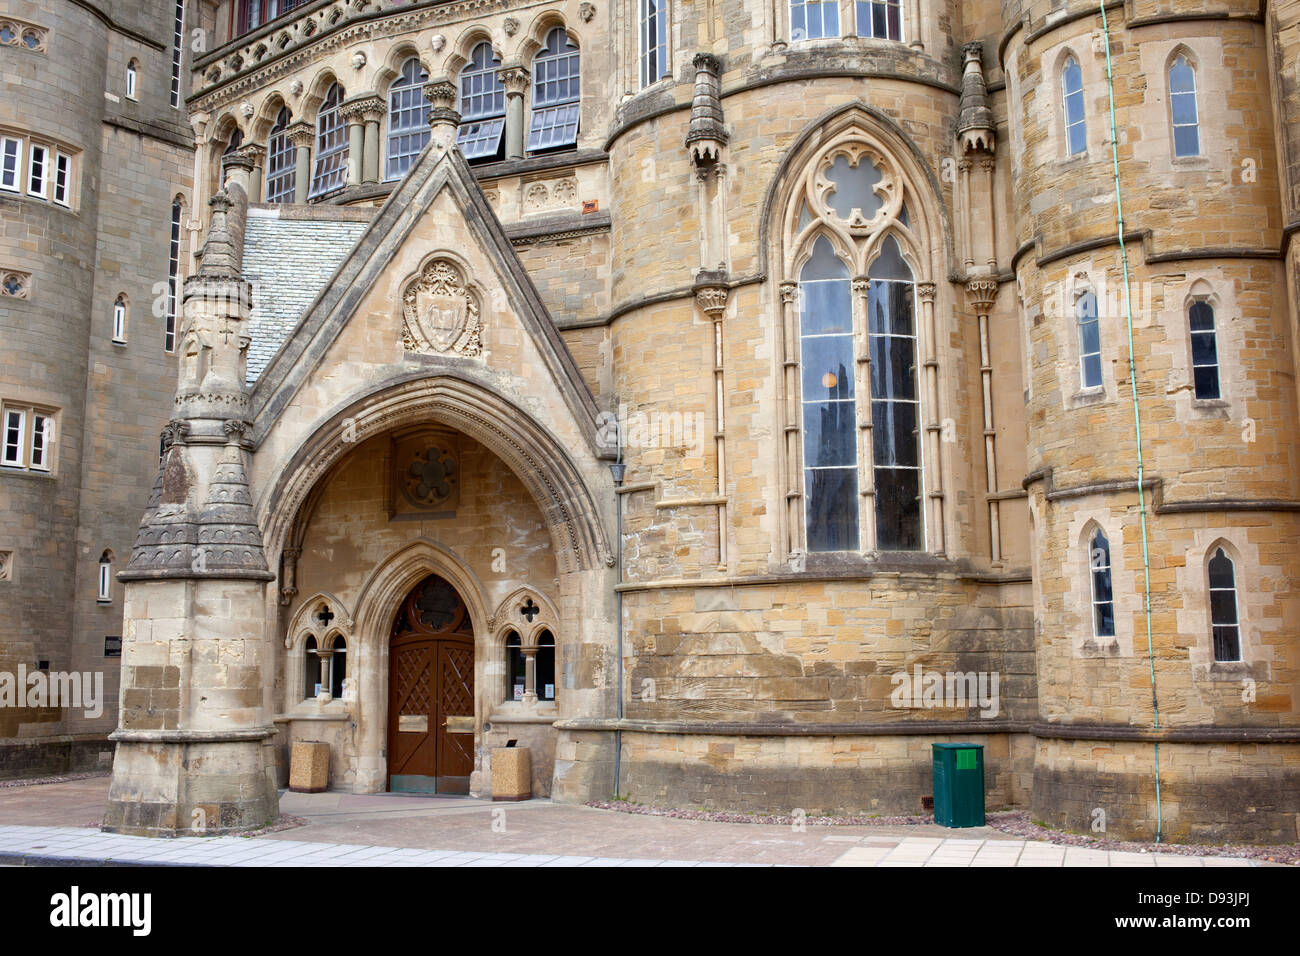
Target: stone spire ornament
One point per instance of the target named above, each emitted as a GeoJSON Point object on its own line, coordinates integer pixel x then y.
{"type": "Point", "coordinates": [707, 133]}
{"type": "Point", "coordinates": [975, 124]}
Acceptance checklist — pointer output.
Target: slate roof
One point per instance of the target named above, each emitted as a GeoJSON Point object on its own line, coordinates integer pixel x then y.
{"type": "Point", "coordinates": [289, 261]}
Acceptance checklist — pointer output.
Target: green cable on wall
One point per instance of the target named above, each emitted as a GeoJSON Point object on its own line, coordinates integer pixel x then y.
{"type": "Point", "coordinates": [1137, 417]}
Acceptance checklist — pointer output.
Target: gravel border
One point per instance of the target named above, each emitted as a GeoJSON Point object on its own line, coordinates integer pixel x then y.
{"type": "Point", "coordinates": [62, 778]}
{"type": "Point", "coordinates": [1014, 822]}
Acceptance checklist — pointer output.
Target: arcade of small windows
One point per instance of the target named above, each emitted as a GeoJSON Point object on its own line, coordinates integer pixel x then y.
{"type": "Point", "coordinates": [553, 126]}
{"type": "Point", "coordinates": [324, 668]}
{"type": "Point", "coordinates": [820, 19]}
{"type": "Point", "coordinates": [530, 668]}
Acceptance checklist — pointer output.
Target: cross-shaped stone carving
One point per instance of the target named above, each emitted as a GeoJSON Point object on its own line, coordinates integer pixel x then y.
{"type": "Point", "coordinates": [325, 615]}
{"type": "Point", "coordinates": [529, 610]}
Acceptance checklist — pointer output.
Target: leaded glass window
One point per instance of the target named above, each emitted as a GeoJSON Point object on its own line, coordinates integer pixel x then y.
{"type": "Point", "coordinates": [1103, 594]}
{"type": "Point", "coordinates": [1182, 104]}
{"type": "Point", "coordinates": [826, 353]}
{"type": "Point", "coordinates": [1076, 130]}
{"type": "Point", "coordinates": [879, 19]}
{"type": "Point", "coordinates": [1223, 608]}
{"type": "Point", "coordinates": [814, 19]}
{"type": "Point", "coordinates": [1205, 350]}
{"type": "Point", "coordinates": [331, 145]}
{"type": "Point", "coordinates": [557, 80]}
{"type": "Point", "coordinates": [1089, 340]}
{"type": "Point", "coordinates": [408, 119]}
{"type": "Point", "coordinates": [482, 106]}
{"type": "Point", "coordinates": [280, 161]}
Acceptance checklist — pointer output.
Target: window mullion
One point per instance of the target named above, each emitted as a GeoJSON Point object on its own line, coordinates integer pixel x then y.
{"type": "Point", "coordinates": [866, 453]}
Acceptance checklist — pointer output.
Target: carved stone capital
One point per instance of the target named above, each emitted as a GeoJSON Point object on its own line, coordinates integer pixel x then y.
{"type": "Point", "coordinates": [441, 94]}
{"type": "Point", "coordinates": [300, 133]}
{"type": "Point", "coordinates": [363, 108]}
{"type": "Point", "coordinates": [712, 301]}
{"type": "Point", "coordinates": [981, 293]}
{"type": "Point", "coordinates": [514, 78]}
{"type": "Point", "coordinates": [964, 165]}
{"type": "Point", "coordinates": [255, 152]}
{"type": "Point", "coordinates": [861, 285]}
{"type": "Point", "coordinates": [174, 433]}
{"type": "Point", "coordinates": [789, 291]}
{"type": "Point", "coordinates": [987, 164]}
{"type": "Point", "coordinates": [926, 291]}
{"type": "Point", "coordinates": [235, 430]}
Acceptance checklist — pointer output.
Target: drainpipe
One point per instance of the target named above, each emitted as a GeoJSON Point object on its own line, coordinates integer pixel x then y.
{"type": "Point", "coordinates": [618, 470]}
{"type": "Point", "coordinates": [1137, 417]}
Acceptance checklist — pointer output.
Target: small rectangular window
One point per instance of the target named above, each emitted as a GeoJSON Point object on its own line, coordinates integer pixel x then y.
{"type": "Point", "coordinates": [11, 164]}
{"type": "Point", "coordinates": [62, 179]}
{"type": "Point", "coordinates": [42, 434]}
{"type": "Point", "coordinates": [15, 424]}
{"type": "Point", "coordinates": [104, 592]}
{"type": "Point", "coordinates": [130, 82]}
{"type": "Point", "coordinates": [38, 173]}
{"type": "Point", "coordinates": [119, 322]}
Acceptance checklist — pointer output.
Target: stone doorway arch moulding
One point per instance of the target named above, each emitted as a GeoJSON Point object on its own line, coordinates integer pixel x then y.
{"type": "Point", "coordinates": [544, 465]}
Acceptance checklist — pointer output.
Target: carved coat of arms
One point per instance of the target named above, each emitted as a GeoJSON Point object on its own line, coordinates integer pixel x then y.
{"type": "Point", "coordinates": [439, 314]}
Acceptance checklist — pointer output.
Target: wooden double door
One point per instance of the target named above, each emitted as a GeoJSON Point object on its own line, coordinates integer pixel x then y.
{"type": "Point", "coordinates": [431, 692]}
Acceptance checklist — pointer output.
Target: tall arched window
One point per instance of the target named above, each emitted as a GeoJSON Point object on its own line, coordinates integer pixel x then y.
{"type": "Point", "coordinates": [1085, 308]}
{"type": "Point", "coordinates": [119, 319]}
{"type": "Point", "coordinates": [1205, 350]}
{"type": "Point", "coordinates": [331, 145]}
{"type": "Point", "coordinates": [1076, 131]}
{"type": "Point", "coordinates": [1103, 595]}
{"type": "Point", "coordinates": [280, 161]}
{"type": "Point", "coordinates": [814, 19]}
{"type": "Point", "coordinates": [652, 42]}
{"type": "Point", "coordinates": [408, 119]}
{"type": "Point", "coordinates": [1223, 608]}
{"type": "Point", "coordinates": [557, 81]}
{"type": "Point", "coordinates": [482, 106]}
{"type": "Point", "coordinates": [173, 272]}
{"type": "Point", "coordinates": [826, 352]}
{"type": "Point", "coordinates": [855, 318]}
{"type": "Point", "coordinates": [1182, 105]}
{"type": "Point", "coordinates": [879, 19]}
{"type": "Point", "coordinates": [545, 668]}
{"type": "Point", "coordinates": [516, 670]}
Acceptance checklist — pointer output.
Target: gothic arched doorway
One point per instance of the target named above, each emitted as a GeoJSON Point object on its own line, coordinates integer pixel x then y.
{"type": "Point", "coordinates": [431, 691]}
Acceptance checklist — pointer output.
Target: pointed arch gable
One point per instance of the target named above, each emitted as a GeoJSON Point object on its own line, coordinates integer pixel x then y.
{"type": "Point", "coordinates": [324, 320]}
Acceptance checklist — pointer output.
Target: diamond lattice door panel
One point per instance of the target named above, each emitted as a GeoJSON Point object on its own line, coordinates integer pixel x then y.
{"type": "Point", "coordinates": [431, 692]}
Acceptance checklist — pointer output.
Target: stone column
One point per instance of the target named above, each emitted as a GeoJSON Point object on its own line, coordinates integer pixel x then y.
{"type": "Point", "coordinates": [866, 426]}
{"type": "Point", "coordinates": [515, 79]}
{"type": "Point", "coordinates": [373, 109]}
{"type": "Point", "coordinates": [301, 135]}
{"type": "Point", "coordinates": [529, 652]}
{"type": "Point", "coordinates": [981, 293]}
{"type": "Point", "coordinates": [712, 300]}
{"type": "Point", "coordinates": [793, 424]}
{"type": "Point", "coordinates": [257, 155]}
{"type": "Point", "coordinates": [934, 428]}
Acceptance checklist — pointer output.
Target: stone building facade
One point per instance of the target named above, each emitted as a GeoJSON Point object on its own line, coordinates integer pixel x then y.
{"type": "Point", "coordinates": [728, 401]}
{"type": "Point", "coordinates": [98, 155]}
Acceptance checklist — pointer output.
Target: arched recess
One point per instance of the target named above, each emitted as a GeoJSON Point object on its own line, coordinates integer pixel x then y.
{"type": "Point", "coordinates": [535, 38]}
{"type": "Point", "coordinates": [259, 127]}
{"type": "Point", "coordinates": [529, 449]}
{"type": "Point", "coordinates": [316, 92]}
{"type": "Point", "coordinates": [391, 68]}
{"type": "Point", "coordinates": [456, 59]}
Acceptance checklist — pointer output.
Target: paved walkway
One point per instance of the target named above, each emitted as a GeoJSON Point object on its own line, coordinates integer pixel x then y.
{"type": "Point", "coordinates": [55, 823]}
